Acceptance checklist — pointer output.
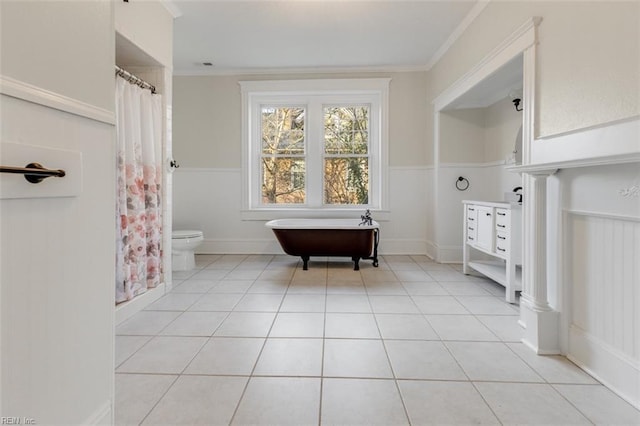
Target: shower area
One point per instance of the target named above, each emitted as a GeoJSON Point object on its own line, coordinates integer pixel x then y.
{"type": "Point", "coordinates": [138, 186]}
{"type": "Point", "coordinates": [143, 150]}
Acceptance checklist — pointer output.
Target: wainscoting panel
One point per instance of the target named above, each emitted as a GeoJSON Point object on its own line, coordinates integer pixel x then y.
{"type": "Point", "coordinates": [210, 200]}
{"type": "Point", "coordinates": [603, 255]}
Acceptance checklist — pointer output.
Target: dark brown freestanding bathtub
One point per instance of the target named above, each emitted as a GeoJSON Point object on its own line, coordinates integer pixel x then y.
{"type": "Point", "coordinates": [327, 237]}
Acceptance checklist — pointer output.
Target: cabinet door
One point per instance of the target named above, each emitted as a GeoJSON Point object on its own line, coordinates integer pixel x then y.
{"type": "Point", "coordinates": [485, 226]}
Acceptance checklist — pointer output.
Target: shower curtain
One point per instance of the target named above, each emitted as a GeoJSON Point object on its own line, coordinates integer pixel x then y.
{"type": "Point", "coordinates": [139, 178]}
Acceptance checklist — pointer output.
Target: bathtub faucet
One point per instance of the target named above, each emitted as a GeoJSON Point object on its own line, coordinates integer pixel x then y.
{"type": "Point", "coordinates": [366, 218]}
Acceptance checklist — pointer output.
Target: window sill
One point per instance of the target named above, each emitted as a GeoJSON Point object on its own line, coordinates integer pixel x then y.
{"type": "Point", "coordinates": [270, 214]}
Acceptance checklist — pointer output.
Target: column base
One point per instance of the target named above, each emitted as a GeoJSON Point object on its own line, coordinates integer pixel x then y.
{"type": "Point", "coordinates": [541, 329]}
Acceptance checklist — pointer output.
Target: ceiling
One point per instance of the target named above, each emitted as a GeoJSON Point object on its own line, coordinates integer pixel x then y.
{"type": "Point", "coordinates": [242, 37]}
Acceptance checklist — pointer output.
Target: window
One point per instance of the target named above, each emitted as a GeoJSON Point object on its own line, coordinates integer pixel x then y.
{"type": "Point", "coordinates": [314, 145]}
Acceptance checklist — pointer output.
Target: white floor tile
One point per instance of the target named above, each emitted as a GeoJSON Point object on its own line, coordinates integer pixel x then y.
{"type": "Point", "coordinates": [529, 403]}
{"type": "Point", "coordinates": [198, 400]}
{"type": "Point", "coordinates": [137, 394]}
{"type": "Point", "coordinates": [600, 405]}
{"type": "Point", "coordinates": [346, 287]}
{"type": "Point", "coordinates": [405, 326]}
{"type": "Point", "coordinates": [415, 359]}
{"type": "Point", "coordinates": [393, 305]}
{"type": "Point", "coordinates": [281, 401]}
{"type": "Point", "coordinates": [195, 324]}
{"type": "Point", "coordinates": [460, 327]}
{"type": "Point", "coordinates": [290, 357]}
{"type": "Point", "coordinates": [227, 356]}
{"type": "Point", "coordinates": [445, 403]}
{"type": "Point", "coordinates": [355, 358]}
{"type": "Point", "coordinates": [408, 276]}
{"type": "Point", "coordinates": [232, 286]}
{"type": "Point", "coordinates": [195, 286]}
{"type": "Point", "coordinates": [504, 326]}
{"type": "Point", "coordinates": [383, 288]}
{"type": "Point", "coordinates": [554, 369]}
{"type": "Point", "coordinates": [127, 346]}
{"type": "Point", "coordinates": [425, 288]}
{"type": "Point", "coordinates": [298, 325]}
{"type": "Point", "coordinates": [174, 302]}
{"type": "Point", "coordinates": [259, 303]}
{"type": "Point", "coordinates": [246, 324]}
{"type": "Point", "coordinates": [361, 402]}
{"type": "Point", "coordinates": [146, 323]}
{"type": "Point", "coordinates": [487, 305]}
{"type": "Point", "coordinates": [269, 286]}
{"type": "Point", "coordinates": [280, 274]}
{"type": "Point", "coordinates": [243, 274]}
{"type": "Point", "coordinates": [439, 305]}
{"type": "Point", "coordinates": [307, 287]}
{"type": "Point", "coordinates": [211, 274]}
{"type": "Point", "coordinates": [491, 362]}
{"type": "Point", "coordinates": [464, 288]}
{"type": "Point", "coordinates": [216, 302]}
{"type": "Point", "coordinates": [449, 342]}
{"type": "Point", "coordinates": [303, 303]}
{"type": "Point", "coordinates": [348, 303]}
{"type": "Point", "coordinates": [163, 355]}
{"type": "Point", "coordinates": [356, 326]}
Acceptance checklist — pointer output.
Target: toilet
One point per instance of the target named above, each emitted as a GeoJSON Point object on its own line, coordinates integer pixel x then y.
{"type": "Point", "coordinates": [183, 245]}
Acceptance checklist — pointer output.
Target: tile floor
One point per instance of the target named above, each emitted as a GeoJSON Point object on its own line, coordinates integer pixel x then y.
{"type": "Point", "coordinates": [256, 340]}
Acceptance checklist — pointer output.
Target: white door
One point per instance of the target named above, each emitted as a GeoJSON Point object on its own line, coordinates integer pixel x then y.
{"type": "Point", "coordinates": [57, 245]}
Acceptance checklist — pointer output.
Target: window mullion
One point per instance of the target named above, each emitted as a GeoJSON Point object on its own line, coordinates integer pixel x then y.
{"type": "Point", "coordinates": [315, 150]}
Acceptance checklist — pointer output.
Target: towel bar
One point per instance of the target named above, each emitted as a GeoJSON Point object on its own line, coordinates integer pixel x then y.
{"type": "Point", "coordinates": [33, 172]}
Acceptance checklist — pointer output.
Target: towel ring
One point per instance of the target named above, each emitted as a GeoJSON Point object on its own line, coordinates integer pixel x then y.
{"type": "Point", "coordinates": [462, 184]}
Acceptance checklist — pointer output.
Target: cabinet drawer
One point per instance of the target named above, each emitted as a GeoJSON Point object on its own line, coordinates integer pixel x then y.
{"type": "Point", "coordinates": [503, 217]}
{"type": "Point", "coordinates": [502, 244]}
{"type": "Point", "coordinates": [472, 232]}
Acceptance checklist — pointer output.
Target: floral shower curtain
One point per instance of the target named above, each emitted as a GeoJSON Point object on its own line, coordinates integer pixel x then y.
{"type": "Point", "coordinates": [139, 178]}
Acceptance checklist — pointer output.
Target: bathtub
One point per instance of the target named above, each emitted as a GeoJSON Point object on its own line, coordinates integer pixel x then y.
{"type": "Point", "coordinates": [327, 237]}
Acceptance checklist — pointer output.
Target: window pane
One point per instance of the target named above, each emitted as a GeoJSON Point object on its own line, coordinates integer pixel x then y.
{"type": "Point", "coordinates": [282, 130]}
{"type": "Point", "coordinates": [346, 180]}
{"type": "Point", "coordinates": [283, 180]}
{"type": "Point", "coordinates": [346, 130]}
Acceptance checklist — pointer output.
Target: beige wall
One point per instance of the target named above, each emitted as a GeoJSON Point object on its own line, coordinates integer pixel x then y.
{"type": "Point", "coordinates": [84, 29]}
{"type": "Point", "coordinates": [588, 70]}
{"type": "Point", "coordinates": [501, 125]}
{"type": "Point", "coordinates": [207, 118]}
{"type": "Point", "coordinates": [479, 135]}
{"type": "Point", "coordinates": [462, 135]}
{"type": "Point", "coordinates": [148, 25]}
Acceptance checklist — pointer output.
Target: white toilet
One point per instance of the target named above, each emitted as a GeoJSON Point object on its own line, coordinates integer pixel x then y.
{"type": "Point", "coordinates": [183, 245]}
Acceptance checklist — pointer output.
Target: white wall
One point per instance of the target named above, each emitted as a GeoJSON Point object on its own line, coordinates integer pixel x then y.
{"type": "Point", "coordinates": [149, 26]}
{"type": "Point", "coordinates": [57, 254]}
{"type": "Point", "coordinates": [475, 144]}
{"type": "Point", "coordinates": [588, 69]}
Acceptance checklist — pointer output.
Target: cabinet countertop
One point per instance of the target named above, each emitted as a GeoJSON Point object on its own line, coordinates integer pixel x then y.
{"type": "Point", "coordinates": [499, 204]}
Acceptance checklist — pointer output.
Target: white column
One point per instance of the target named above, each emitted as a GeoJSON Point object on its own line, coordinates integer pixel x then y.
{"type": "Point", "coordinates": [539, 320]}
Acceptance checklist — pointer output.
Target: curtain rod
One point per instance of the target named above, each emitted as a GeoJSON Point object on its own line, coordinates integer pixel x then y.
{"type": "Point", "coordinates": [134, 80]}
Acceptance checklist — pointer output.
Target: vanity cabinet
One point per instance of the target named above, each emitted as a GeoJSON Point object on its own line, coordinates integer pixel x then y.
{"type": "Point", "coordinates": [492, 243]}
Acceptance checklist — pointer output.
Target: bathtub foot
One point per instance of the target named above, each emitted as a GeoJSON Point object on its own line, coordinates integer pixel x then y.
{"type": "Point", "coordinates": [305, 263]}
{"type": "Point", "coordinates": [356, 263]}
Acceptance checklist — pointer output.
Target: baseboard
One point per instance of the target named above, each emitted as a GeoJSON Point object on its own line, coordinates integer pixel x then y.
{"type": "Point", "coordinates": [271, 246]}
{"type": "Point", "coordinates": [608, 365]}
{"type": "Point", "coordinates": [127, 309]}
{"type": "Point", "coordinates": [448, 254]}
{"type": "Point", "coordinates": [102, 416]}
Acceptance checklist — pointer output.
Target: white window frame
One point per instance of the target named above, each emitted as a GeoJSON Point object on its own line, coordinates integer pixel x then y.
{"type": "Point", "coordinates": [314, 95]}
